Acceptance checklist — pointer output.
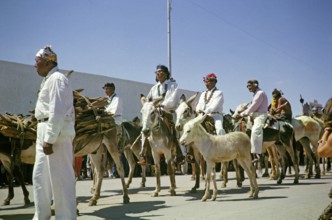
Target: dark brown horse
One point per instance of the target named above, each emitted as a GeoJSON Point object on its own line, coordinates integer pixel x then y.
{"type": "Point", "coordinates": [11, 159]}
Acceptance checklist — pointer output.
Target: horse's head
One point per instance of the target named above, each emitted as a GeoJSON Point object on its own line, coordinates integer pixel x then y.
{"type": "Point", "coordinates": [240, 108]}
{"type": "Point", "coordinates": [150, 113]}
{"type": "Point", "coordinates": [191, 130]}
{"type": "Point", "coordinates": [184, 111]}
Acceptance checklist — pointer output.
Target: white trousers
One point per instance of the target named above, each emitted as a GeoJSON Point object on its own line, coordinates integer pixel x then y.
{"type": "Point", "coordinates": [257, 132]}
{"type": "Point", "coordinates": [218, 121]}
{"type": "Point", "coordinates": [54, 178]}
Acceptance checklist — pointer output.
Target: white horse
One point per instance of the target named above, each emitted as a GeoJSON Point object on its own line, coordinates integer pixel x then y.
{"type": "Point", "coordinates": [160, 138]}
{"type": "Point", "coordinates": [220, 148]}
{"type": "Point", "coordinates": [308, 132]}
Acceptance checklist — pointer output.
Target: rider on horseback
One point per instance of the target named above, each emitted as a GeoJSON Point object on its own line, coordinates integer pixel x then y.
{"type": "Point", "coordinates": [258, 110]}
{"type": "Point", "coordinates": [280, 107]}
{"type": "Point", "coordinates": [165, 89]}
{"type": "Point", "coordinates": [211, 102]}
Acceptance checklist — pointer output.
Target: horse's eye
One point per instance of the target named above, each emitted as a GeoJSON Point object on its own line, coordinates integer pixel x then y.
{"type": "Point", "coordinates": [188, 131]}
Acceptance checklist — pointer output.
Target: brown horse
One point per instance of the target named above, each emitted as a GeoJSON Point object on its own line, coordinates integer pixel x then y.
{"type": "Point", "coordinates": [282, 137]}
{"type": "Point", "coordinates": [161, 140]}
{"type": "Point", "coordinates": [95, 143]}
{"type": "Point", "coordinates": [12, 163]}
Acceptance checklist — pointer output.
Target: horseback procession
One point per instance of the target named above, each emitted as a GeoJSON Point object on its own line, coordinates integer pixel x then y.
{"type": "Point", "coordinates": [66, 124]}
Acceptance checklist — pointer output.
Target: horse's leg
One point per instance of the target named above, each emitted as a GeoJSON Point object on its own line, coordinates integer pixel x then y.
{"type": "Point", "coordinates": [116, 155]}
{"type": "Point", "coordinates": [275, 162]}
{"type": "Point", "coordinates": [20, 179]}
{"type": "Point", "coordinates": [305, 142]}
{"type": "Point", "coordinates": [249, 168]}
{"type": "Point", "coordinates": [156, 158]}
{"type": "Point", "coordinates": [323, 164]}
{"type": "Point", "coordinates": [131, 161]}
{"type": "Point", "coordinates": [294, 159]}
{"type": "Point", "coordinates": [314, 145]}
{"type": "Point", "coordinates": [202, 168]}
{"type": "Point", "coordinates": [10, 180]}
{"type": "Point", "coordinates": [136, 151]}
{"type": "Point", "coordinates": [224, 170]}
{"type": "Point", "coordinates": [237, 168]}
{"type": "Point", "coordinates": [215, 189]}
{"type": "Point", "coordinates": [282, 152]}
{"type": "Point", "coordinates": [266, 162]}
{"type": "Point", "coordinates": [209, 168]}
{"type": "Point", "coordinates": [97, 161]}
{"type": "Point", "coordinates": [198, 159]}
{"type": "Point", "coordinates": [171, 173]}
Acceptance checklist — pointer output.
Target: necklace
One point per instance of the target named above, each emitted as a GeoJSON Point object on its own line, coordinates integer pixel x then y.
{"type": "Point", "coordinates": [207, 100]}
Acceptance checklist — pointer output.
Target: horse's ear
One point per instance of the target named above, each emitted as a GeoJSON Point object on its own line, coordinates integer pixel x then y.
{"type": "Point", "coordinates": [182, 98]}
{"type": "Point", "coordinates": [192, 98]}
{"type": "Point", "coordinates": [231, 111]}
{"type": "Point", "coordinates": [200, 118]}
{"type": "Point", "coordinates": [143, 99]}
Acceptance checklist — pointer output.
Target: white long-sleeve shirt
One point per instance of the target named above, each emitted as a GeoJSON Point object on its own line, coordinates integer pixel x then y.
{"type": "Point", "coordinates": [214, 105]}
{"type": "Point", "coordinates": [259, 103]}
{"type": "Point", "coordinates": [115, 107]}
{"type": "Point", "coordinates": [55, 102]}
{"type": "Point", "coordinates": [168, 91]}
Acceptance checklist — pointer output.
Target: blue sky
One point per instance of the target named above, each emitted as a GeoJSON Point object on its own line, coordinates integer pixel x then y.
{"type": "Point", "coordinates": [284, 44]}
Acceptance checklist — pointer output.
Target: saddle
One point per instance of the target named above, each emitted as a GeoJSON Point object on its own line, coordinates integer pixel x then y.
{"type": "Point", "coordinates": [208, 125]}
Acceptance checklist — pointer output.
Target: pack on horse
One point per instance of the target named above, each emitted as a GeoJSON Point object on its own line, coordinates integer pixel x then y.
{"type": "Point", "coordinates": [281, 135]}
{"type": "Point", "coordinates": [157, 129]}
{"type": "Point", "coordinates": [94, 141]}
{"type": "Point", "coordinates": [12, 159]}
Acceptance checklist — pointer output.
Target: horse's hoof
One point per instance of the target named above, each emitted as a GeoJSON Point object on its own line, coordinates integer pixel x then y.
{"type": "Point", "coordinates": [142, 184]}
{"type": "Point", "coordinates": [265, 175]}
{"type": "Point", "coordinates": [126, 199]}
{"type": "Point", "coordinates": [6, 202]}
{"type": "Point", "coordinates": [27, 201]}
{"type": "Point", "coordinates": [296, 181]}
{"type": "Point", "coordinates": [203, 199]}
{"type": "Point", "coordinates": [173, 193]}
{"type": "Point", "coordinates": [155, 194]}
{"type": "Point", "coordinates": [224, 185]}
{"type": "Point", "coordinates": [193, 190]}
{"type": "Point", "coordinates": [239, 184]}
{"type": "Point", "coordinates": [317, 176]}
{"type": "Point", "coordinates": [92, 202]}
{"type": "Point", "coordinates": [279, 182]}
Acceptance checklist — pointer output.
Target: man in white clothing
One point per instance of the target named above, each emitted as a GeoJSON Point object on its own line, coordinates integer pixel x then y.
{"type": "Point", "coordinates": [211, 102]}
{"type": "Point", "coordinates": [53, 174]}
{"type": "Point", "coordinates": [115, 108]}
{"type": "Point", "coordinates": [258, 111]}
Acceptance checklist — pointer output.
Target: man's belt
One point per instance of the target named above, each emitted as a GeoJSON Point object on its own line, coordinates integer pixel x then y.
{"type": "Point", "coordinates": [42, 120]}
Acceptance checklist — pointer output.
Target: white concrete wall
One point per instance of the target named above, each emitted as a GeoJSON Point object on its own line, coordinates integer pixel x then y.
{"type": "Point", "coordinates": [19, 85]}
